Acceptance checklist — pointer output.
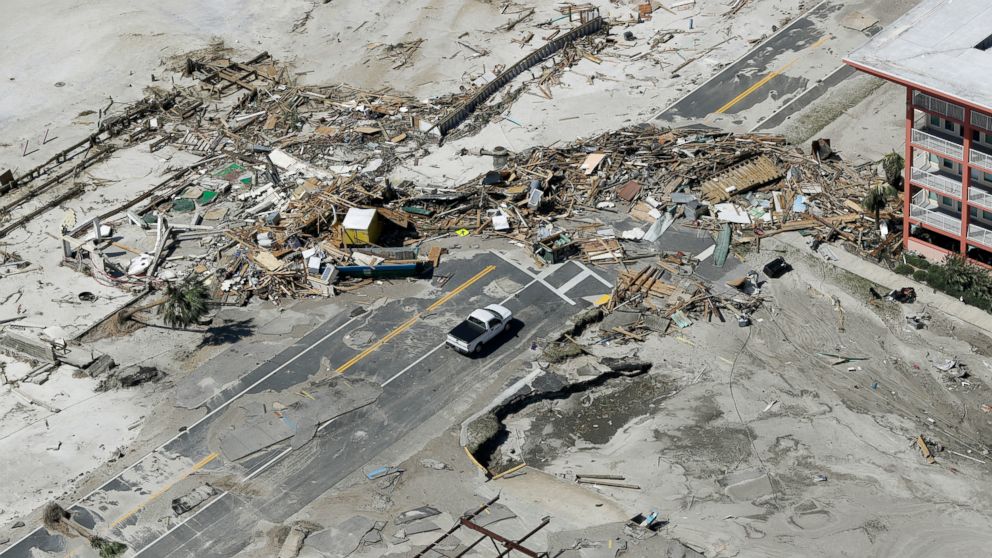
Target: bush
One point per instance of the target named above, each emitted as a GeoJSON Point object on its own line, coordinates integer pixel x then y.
{"type": "Point", "coordinates": [918, 262]}
{"type": "Point", "coordinates": [937, 280]}
{"type": "Point", "coordinates": [903, 269]}
{"type": "Point", "coordinates": [958, 278]}
{"type": "Point", "coordinates": [978, 302]}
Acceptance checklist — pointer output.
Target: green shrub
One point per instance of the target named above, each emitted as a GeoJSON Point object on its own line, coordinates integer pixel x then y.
{"type": "Point", "coordinates": [918, 262]}
{"type": "Point", "coordinates": [979, 302]}
{"type": "Point", "coordinates": [935, 278]}
{"type": "Point", "coordinates": [903, 269]}
{"type": "Point", "coordinates": [920, 275]}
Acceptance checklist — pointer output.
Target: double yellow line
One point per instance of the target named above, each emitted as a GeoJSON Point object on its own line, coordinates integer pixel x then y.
{"type": "Point", "coordinates": [158, 493]}
{"type": "Point", "coordinates": [761, 83]}
{"type": "Point", "coordinates": [375, 346]}
{"type": "Point", "coordinates": [406, 325]}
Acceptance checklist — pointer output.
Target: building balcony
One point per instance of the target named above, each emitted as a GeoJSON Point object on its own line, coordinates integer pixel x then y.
{"type": "Point", "coordinates": [981, 159]}
{"type": "Point", "coordinates": [937, 181]}
{"type": "Point", "coordinates": [980, 234]}
{"type": "Point", "coordinates": [938, 106]}
{"type": "Point", "coordinates": [981, 120]}
{"type": "Point", "coordinates": [933, 216]}
{"type": "Point", "coordinates": [932, 142]}
{"type": "Point", "coordinates": [980, 197]}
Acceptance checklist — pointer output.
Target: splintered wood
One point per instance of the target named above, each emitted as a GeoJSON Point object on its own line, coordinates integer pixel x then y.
{"type": "Point", "coordinates": [741, 178]}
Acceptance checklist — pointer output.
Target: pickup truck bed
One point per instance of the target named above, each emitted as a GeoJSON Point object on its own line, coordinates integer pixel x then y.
{"type": "Point", "coordinates": [481, 326]}
{"type": "Point", "coordinates": [467, 331]}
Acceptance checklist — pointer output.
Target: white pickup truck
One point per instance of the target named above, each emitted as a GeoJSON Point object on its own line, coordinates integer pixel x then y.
{"type": "Point", "coordinates": [481, 326]}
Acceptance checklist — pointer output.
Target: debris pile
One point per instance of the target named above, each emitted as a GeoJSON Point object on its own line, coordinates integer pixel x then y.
{"type": "Point", "coordinates": [751, 185]}
{"type": "Point", "coordinates": [292, 196]}
{"type": "Point", "coordinates": [679, 298]}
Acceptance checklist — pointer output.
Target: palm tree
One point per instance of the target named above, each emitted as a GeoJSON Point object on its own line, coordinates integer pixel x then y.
{"type": "Point", "coordinates": [876, 199]}
{"type": "Point", "coordinates": [58, 520]}
{"type": "Point", "coordinates": [184, 303]}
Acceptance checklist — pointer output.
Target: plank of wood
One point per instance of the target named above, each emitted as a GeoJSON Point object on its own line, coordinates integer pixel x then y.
{"type": "Point", "coordinates": [435, 256]}
{"type": "Point", "coordinates": [925, 450]}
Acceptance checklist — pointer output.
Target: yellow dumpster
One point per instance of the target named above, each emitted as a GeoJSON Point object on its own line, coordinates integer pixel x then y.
{"type": "Point", "coordinates": [361, 226]}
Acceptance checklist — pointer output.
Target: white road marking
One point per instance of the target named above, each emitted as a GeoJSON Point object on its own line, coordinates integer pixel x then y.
{"type": "Point", "coordinates": [539, 277]}
{"type": "Point", "coordinates": [792, 102]}
{"type": "Point", "coordinates": [743, 56]}
{"type": "Point", "coordinates": [196, 513]}
{"type": "Point", "coordinates": [205, 417]}
{"type": "Point", "coordinates": [536, 279]}
{"type": "Point", "coordinates": [594, 274]}
{"type": "Point", "coordinates": [435, 349]}
{"type": "Point", "coordinates": [254, 473]}
{"type": "Point", "coordinates": [414, 363]}
{"type": "Point", "coordinates": [582, 276]}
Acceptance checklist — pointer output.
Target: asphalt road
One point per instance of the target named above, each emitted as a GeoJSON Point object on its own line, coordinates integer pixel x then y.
{"type": "Point", "coordinates": [781, 74]}
{"type": "Point", "coordinates": [419, 375]}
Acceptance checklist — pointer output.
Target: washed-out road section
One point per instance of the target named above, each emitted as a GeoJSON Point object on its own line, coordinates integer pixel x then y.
{"type": "Point", "coordinates": [398, 345]}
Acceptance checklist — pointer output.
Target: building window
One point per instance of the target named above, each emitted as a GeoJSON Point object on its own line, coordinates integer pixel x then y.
{"type": "Point", "coordinates": [935, 121]}
{"type": "Point", "coordinates": [948, 164]}
{"type": "Point", "coordinates": [973, 212]}
{"type": "Point", "coordinates": [976, 135]}
{"type": "Point", "coordinates": [948, 125]}
{"type": "Point", "coordinates": [988, 177]}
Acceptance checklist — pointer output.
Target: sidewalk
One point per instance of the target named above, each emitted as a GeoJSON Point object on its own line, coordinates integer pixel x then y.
{"type": "Point", "coordinates": [891, 280]}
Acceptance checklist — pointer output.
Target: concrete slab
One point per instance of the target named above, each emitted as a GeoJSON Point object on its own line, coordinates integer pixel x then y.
{"type": "Point", "coordinates": [615, 539]}
{"type": "Point", "coordinates": [255, 424]}
{"type": "Point", "coordinates": [340, 540]}
{"type": "Point", "coordinates": [494, 513]}
{"type": "Point", "coordinates": [415, 514]}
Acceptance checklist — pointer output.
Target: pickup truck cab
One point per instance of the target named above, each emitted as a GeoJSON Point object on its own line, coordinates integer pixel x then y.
{"type": "Point", "coordinates": [481, 326]}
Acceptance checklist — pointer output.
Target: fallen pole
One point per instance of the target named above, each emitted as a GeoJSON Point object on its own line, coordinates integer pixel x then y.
{"type": "Point", "coordinates": [609, 483]}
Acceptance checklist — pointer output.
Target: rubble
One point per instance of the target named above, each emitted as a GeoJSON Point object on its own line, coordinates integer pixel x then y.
{"type": "Point", "coordinates": [292, 195]}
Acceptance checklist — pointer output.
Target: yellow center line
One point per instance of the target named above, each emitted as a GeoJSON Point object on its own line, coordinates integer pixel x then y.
{"type": "Point", "coordinates": [771, 76]}
{"type": "Point", "coordinates": [158, 493]}
{"type": "Point", "coordinates": [400, 329]}
{"type": "Point", "coordinates": [406, 325]}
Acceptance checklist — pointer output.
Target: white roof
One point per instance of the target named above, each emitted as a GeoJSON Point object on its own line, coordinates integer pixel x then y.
{"type": "Point", "coordinates": [934, 46]}
{"type": "Point", "coordinates": [360, 219]}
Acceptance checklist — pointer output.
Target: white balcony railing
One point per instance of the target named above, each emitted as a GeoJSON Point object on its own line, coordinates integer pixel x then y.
{"type": "Point", "coordinates": [936, 219]}
{"type": "Point", "coordinates": [938, 182]}
{"type": "Point", "coordinates": [981, 120]}
{"type": "Point", "coordinates": [938, 106]}
{"type": "Point", "coordinates": [980, 234]}
{"type": "Point", "coordinates": [933, 143]}
{"type": "Point", "coordinates": [980, 197]}
{"type": "Point", "coordinates": [981, 159]}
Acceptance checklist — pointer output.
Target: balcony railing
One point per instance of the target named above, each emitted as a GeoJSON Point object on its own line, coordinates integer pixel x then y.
{"type": "Point", "coordinates": [936, 219]}
{"type": "Point", "coordinates": [938, 106]}
{"type": "Point", "coordinates": [980, 234]}
{"type": "Point", "coordinates": [981, 159]}
{"type": "Point", "coordinates": [933, 143]}
{"type": "Point", "coordinates": [981, 120]}
{"type": "Point", "coordinates": [977, 196]}
{"type": "Point", "coordinates": [937, 182]}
